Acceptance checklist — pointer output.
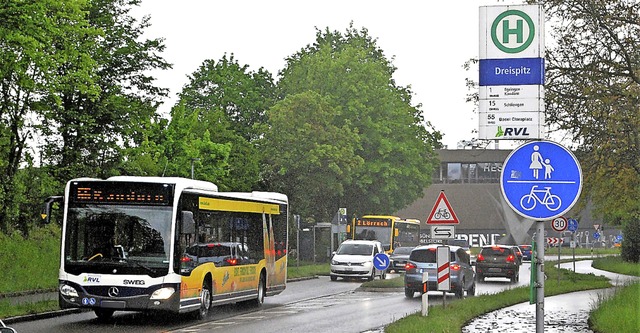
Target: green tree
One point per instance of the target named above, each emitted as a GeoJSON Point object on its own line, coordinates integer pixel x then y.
{"type": "Point", "coordinates": [308, 154]}
{"type": "Point", "coordinates": [43, 47]}
{"type": "Point", "coordinates": [395, 144]}
{"type": "Point", "coordinates": [85, 131]}
{"type": "Point", "coordinates": [171, 148]}
{"type": "Point", "coordinates": [231, 101]}
{"type": "Point", "coordinates": [227, 86]}
{"type": "Point", "coordinates": [593, 93]}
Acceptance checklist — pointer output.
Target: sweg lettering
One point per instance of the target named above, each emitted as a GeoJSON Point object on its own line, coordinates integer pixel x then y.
{"type": "Point", "coordinates": [133, 282]}
{"type": "Point", "coordinates": [513, 71]}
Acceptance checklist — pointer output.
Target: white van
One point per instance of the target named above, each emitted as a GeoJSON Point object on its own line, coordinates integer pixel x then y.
{"type": "Point", "coordinates": [354, 259]}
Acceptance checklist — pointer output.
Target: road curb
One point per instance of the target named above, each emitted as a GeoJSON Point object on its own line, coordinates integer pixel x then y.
{"type": "Point", "coordinates": [43, 315]}
{"type": "Point", "coordinates": [380, 289]}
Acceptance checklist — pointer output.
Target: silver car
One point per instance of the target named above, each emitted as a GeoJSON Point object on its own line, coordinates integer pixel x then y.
{"type": "Point", "coordinates": [424, 259]}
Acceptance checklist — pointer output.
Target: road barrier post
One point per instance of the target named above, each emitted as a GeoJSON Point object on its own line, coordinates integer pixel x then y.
{"type": "Point", "coordinates": [425, 297]}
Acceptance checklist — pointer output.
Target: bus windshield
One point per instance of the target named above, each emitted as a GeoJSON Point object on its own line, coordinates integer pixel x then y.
{"type": "Point", "coordinates": [117, 239]}
{"type": "Point", "coordinates": [382, 234]}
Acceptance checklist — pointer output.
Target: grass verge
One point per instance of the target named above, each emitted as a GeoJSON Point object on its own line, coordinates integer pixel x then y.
{"type": "Point", "coordinates": [459, 312]}
{"type": "Point", "coordinates": [306, 270]}
{"type": "Point", "coordinates": [618, 313]}
{"type": "Point", "coordinates": [617, 265]}
{"type": "Point", "coordinates": [13, 310]}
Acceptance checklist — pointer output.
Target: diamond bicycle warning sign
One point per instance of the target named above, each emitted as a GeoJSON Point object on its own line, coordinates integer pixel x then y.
{"type": "Point", "coordinates": [442, 213]}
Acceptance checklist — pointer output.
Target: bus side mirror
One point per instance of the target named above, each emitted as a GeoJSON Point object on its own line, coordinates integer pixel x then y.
{"type": "Point", "coordinates": [46, 207]}
{"type": "Point", "coordinates": [188, 222]}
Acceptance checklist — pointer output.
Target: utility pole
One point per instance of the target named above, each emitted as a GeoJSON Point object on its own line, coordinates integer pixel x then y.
{"type": "Point", "coordinates": [192, 161]}
{"type": "Point", "coordinates": [540, 277]}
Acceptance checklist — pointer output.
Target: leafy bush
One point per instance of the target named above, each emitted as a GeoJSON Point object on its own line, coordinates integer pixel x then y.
{"type": "Point", "coordinates": [631, 242]}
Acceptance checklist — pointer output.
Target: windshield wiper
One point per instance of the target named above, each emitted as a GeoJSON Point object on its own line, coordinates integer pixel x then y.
{"type": "Point", "coordinates": [137, 263]}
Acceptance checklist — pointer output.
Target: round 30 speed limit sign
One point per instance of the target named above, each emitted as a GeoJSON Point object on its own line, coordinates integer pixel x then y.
{"type": "Point", "coordinates": [559, 224]}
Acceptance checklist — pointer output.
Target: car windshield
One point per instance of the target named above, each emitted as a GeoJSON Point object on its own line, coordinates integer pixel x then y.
{"type": "Point", "coordinates": [402, 250]}
{"type": "Point", "coordinates": [495, 252]}
{"type": "Point", "coordinates": [356, 249]}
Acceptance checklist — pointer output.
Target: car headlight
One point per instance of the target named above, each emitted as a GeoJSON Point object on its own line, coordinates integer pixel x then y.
{"type": "Point", "coordinates": [163, 293]}
{"type": "Point", "coordinates": [68, 291]}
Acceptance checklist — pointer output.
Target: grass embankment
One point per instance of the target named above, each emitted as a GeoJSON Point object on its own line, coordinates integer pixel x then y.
{"type": "Point", "coordinates": [618, 312]}
{"type": "Point", "coordinates": [306, 269]}
{"type": "Point", "coordinates": [457, 313]}
{"type": "Point", "coordinates": [28, 265]}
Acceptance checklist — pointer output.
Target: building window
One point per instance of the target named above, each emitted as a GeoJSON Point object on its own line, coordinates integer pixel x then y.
{"type": "Point", "coordinates": [467, 173]}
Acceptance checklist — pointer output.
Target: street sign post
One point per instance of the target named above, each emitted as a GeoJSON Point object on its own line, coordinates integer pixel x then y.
{"type": "Point", "coordinates": [442, 213]}
{"type": "Point", "coordinates": [541, 180]}
{"type": "Point", "coordinates": [442, 260]}
{"type": "Point", "coordinates": [381, 261]}
{"type": "Point", "coordinates": [442, 231]}
{"type": "Point", "coordinates": [511, 72]}
{"type": "Point", "coordinates": [559, 224]}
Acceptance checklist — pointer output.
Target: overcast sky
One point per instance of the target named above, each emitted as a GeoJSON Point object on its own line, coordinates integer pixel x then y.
{"type": "Point", "coordinates": [428, 40]}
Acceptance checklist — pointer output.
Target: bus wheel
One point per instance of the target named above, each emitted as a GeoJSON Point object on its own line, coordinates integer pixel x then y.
{"type": "Point", "coordinates": [103, 314]}
{"type": "Point", "coordinates": [205, 301]}
{"type": "Point", "coordinates": [261, 291]}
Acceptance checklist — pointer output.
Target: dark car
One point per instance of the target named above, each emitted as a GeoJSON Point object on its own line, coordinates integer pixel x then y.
{"type": "Point", "coordinates": [424, 259]}
{"type": "Point", "coordinates": [526, 252]}
{"type": "Point", "coordinates": [399, 258]}
{"type": "Point", "coordinates": [518, 252]}
{"type": "Point", "coordinates": [498, 261]}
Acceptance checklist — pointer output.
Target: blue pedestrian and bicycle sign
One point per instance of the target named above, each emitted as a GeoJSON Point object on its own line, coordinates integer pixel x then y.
{"type": "Point", "coordinates": [541, 180]}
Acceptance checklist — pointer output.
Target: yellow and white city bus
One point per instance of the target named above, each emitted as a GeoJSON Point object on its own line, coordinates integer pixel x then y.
{"type": "Point", "coordinates": [168, 244]}
{"type": "Point", "coordinates": [391, 231]}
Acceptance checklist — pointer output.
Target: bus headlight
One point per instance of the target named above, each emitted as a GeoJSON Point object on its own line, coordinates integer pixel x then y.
{"type": "Point", "coordinates": [163, 293]}
{"type": "Point", "coordinates": [68, 291]}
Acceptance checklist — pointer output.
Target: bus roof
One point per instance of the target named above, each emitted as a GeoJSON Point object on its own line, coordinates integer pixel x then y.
{"type": "Point", "coordinates": [179, 181]}
{"type": "Point", "coordinates": [380, 217]}
{"type": "Point", "coordinates": [273, 196]}
{"type": "Point", "coordinates": [412, 221]}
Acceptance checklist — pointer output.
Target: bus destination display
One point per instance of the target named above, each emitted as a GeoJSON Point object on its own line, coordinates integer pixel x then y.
{"type": "Point", "coordinates": [373, 223]}
{"type": "Point", "coordinates": [121, 193]}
